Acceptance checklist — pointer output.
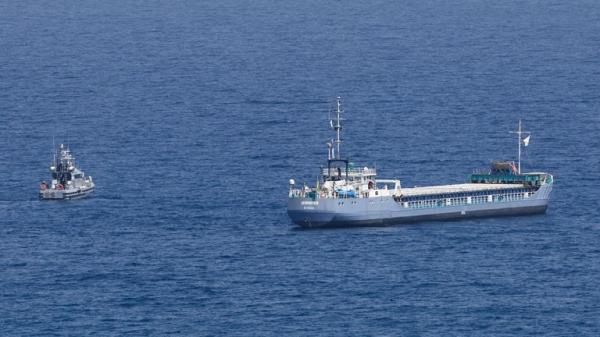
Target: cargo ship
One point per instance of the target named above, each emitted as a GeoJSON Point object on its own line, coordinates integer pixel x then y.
{"type": "Point", "coordinates": [346, 195]}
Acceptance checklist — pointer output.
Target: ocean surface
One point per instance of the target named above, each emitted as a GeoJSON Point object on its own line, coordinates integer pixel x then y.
{"type": "Point", "coordinates": [192, 116]}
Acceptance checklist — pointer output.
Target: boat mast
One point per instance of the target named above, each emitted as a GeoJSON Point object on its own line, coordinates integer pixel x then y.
{"type": "Point", "coordinates": [54, 152]}
{"type": "Point", "coordinates": [338, 127]}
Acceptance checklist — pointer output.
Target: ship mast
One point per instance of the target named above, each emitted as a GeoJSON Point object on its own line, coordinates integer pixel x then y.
{"type": "Point", "coordinates": [338, 127]}
{"type": "Point", "coordinates": [519, 132]}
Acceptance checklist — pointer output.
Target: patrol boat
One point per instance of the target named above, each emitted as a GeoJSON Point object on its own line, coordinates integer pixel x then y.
{"type": "Point", "coordinates": [68, 181]}
{"type": "Point", "coordinates": [346, 195]}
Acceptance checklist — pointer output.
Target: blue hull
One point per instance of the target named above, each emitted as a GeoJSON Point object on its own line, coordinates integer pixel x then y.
{"type": "Point", "coordinates": [384, 211]}
{"type": "Point", "coordinates": [317, 220]}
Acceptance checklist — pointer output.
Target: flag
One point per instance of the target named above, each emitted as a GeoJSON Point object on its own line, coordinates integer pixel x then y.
{"type": "Point", "coordinates": [526, 140]}
{"type": "Point", "coordinates": [331, 123]}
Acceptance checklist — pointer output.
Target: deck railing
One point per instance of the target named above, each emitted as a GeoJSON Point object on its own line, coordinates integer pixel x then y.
{"type": "Point", "coordinates": [429, 203]}
{"type": "Point", "coordinates": [466, 200]}
{"type": "Point", "coordinates": [352, 172]}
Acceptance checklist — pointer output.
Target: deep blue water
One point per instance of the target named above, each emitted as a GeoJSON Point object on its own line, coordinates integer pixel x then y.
{"type": "Point", "coordinates": [192, 115]}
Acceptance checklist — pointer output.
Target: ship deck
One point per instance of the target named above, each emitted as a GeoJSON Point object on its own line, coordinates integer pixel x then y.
{"type": "Point", "coordinates": [455, 188]}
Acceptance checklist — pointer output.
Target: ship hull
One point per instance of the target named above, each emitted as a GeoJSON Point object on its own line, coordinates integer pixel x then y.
{"type": "Point", "coordinates": [385, 211]}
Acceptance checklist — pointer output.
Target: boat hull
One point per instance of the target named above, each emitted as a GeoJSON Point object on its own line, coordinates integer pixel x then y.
{"type": "Point", "coordinates": [53, 194]}
{"type": "Point", "coordinates": [384, 211]}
